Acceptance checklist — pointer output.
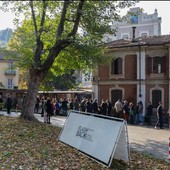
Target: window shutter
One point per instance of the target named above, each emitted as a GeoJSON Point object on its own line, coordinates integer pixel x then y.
{"type": "Point", "coordinates": [148, 65]}
{"type": "Point", "coordinates": [163, 63]}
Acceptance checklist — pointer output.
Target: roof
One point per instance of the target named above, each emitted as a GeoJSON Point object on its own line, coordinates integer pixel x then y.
{"type": "Point", "coordinates": [67, 92]}
{"type": "Point", "coordinates": [141, 41]}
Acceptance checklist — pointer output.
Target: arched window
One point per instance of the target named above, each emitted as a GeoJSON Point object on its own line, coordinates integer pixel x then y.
{"type": "Point", "coordinates": [116, 66]}
{"type": "Point", "coordinates": [156, 97]}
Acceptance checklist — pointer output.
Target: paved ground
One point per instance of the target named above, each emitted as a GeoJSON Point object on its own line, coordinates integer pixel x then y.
{"type": "Point", "coordinates": [141, 138]}
{"type": "Point", "coordinates": [150, 140]}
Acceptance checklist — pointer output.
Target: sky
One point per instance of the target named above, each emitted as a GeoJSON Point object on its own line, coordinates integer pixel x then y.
{"type": "Point", "coordinates": [163, 7]}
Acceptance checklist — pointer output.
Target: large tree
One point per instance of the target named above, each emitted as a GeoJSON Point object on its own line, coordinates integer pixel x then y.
{"type": "Point", "coordinates": [59, 36]}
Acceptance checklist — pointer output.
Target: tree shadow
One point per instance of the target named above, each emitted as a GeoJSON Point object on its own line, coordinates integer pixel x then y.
{"type": "Point", "coordinates": [153, 148]}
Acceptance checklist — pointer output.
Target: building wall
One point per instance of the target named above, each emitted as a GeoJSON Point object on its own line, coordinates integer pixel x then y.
{"type": "Point", "coordinates": [146, 23]}
{"type": "Point", "coordinates": [103, 73]}
{"type": "Point", "coordinates": [131, 67]}
{"type": "Point", "coordinates": [4, 65]}
{"type": "Point", "coordinates": [130, 83]}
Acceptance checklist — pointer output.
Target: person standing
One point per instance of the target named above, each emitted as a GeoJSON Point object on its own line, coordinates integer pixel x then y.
{"type": "Point", "coordinates": [9, 104]}
{"type": "Point", "coordinates": [126, 111]}
{"type": "Point", "coordinates": [71, 104]}
{"type": "Point", "coordinates": [140, 112]}
{"type": "Point", "coordinates": [36, 109]}
{"type": "Point", "coordinates": [149, 110]}
{"type": "Point", "coordinates": [76, 104]}
{"type": "Point", "coordinates": [131, 112]}
{"type": "Point", "coordinates": [57, 108]}
{"type": "Point", "coordinates": [160, 113]}
{"type": "Point", "coordinates": [48, 106]}
{"type": "Point", "coordinates": [95, 106]}
{"type": "Point", "coordinates": [104, 107]}
{"type": "Point", "coordinates": [88, 106]}
{"type": "Point", "coordinates": [82, 105]}
{"type": "Point", "coordinates": [118, 107]}
{"type": "Point", "coordinates": [1, 103]}
{"type": "Point", "coordinates": [64, 106]}
{"type": "Point", "coordinates": [109, 107]}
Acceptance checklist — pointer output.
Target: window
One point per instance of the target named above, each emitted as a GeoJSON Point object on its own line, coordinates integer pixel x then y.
{"type": "Point", "coordinates": [156, 97]}
{"type": "Point", "coordinates": [125, 36]}
{"type": "Point", "coordinates": [116, 66]}
{"type": "Point", "coordinates": [157, 65]}
{"type": "Point", "coordinates": [11, 65]}
{"type": "Point", "coordinates": [10, 84]}
{"type": "Point", "coordinates": [144, 34]}
{"type": "Point", "coordinates": [134, 19]}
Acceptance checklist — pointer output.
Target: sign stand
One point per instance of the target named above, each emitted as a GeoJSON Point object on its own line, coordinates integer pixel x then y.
{"type": "Point", "coordinates": [122, 149]}
{"type": "Point", "coordinates": [100, 137]}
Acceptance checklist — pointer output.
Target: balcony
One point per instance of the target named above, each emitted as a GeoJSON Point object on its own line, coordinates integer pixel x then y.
{"type": "Point", "coordinates": [10, 72]}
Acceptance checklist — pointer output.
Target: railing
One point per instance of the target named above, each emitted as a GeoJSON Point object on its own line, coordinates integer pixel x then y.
{"type": "Point", "coordinates": [10, 72]}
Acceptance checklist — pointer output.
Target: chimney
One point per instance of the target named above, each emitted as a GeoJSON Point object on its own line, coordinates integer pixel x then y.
{"type": "Point", "coordinates": [133, 32]}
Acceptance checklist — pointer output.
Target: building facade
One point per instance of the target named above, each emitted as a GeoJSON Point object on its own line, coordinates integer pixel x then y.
{"type": "Point", "coordinates": [139, 71]}
{"type": "Point", "coordinates": [8, 73]}
{"type": "Point", "coordinates": [144, 24]}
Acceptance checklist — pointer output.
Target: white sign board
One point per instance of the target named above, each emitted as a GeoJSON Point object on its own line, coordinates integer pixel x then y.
{"type": "Point", "coordinates": [95, 136]}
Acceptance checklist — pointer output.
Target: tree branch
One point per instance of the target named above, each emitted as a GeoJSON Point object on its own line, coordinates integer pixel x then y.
{"type": "Point", "coordinates": [62, 19]}
{"type": "Point", "coordinates": [43, 16]}
{"type": "Point", "coordinates": [61, 44]}
{"type": "Point", "coordinates": [53, 52]}
{"type": "Point", "coordinates": [34, 19]}
{"type": "Point", "coordinates": [77, 20]}
{"type": "Point", "coordinates": [40, 45]}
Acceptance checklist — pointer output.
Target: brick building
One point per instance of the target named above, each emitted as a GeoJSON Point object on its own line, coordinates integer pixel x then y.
{"type": "Point", "coordinates": [139, 71]}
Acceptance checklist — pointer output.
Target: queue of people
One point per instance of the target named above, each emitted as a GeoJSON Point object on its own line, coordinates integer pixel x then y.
{"type": "Point", "coordinates": [121, 109]}
{"type": "Point", "coordinates": [136, 115]}
{"type": "Point", "coordinates": [52, 107]}
{"type": "Point", "coordinates": [131, 113]}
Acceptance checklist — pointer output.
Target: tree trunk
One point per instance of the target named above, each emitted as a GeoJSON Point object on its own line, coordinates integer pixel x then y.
{"type": "Point", "coordinates": [27, 111]}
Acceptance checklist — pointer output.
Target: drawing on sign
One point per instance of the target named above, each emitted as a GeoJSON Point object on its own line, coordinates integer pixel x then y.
{"type": "Point", "coordinates": [85, 133]}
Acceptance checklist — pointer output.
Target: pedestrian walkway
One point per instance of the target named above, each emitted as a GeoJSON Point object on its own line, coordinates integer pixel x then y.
{"type": "Point", "coordinates": [141, 138]}
{"type": "Point", "coordinates": [149, 140]}
{"type": "Point", "coordinates": [55, 120]}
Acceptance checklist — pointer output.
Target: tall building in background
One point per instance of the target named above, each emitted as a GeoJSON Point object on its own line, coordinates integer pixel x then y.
{"type": "Point", "coordinates": [143, 23]}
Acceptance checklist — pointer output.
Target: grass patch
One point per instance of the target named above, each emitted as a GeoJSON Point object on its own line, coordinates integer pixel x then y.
{"type": "Point", "coordinates": [27, 145]}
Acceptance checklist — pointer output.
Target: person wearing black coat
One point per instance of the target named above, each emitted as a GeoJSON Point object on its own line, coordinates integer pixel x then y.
{"type": "Point", "coordinates": [88, 106]}
{"type": "Point", "coordinates": [95, 106]}
{"type": "Point", "coordinates": [149, 110]}
{"type": "Point", "coordinates": [48, 106]}
{"type": "Point", "coordinates": [9, 104]}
